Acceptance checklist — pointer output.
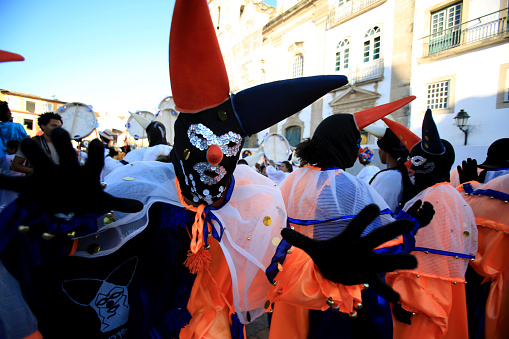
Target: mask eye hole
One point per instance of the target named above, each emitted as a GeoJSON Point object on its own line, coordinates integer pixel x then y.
{"type": "Point", "coordinates": [232, 144]}
{"type": "Point", "coordinates": [418, 160]}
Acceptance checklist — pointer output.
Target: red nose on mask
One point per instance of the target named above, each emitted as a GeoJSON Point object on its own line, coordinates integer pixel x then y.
{"type": "Point", "coordinates": [214, 155]}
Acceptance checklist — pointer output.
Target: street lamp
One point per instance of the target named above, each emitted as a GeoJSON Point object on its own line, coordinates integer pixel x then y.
{"type": "Point", "coordinates": [461, 122]}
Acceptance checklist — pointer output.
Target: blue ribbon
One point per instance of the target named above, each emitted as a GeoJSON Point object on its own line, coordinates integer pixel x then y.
{"type": "Point", "coordinates": [209, 216]}
{"type": "Point", "coordinates": [489, 193]}
{"type": "Point", "coordinates": [440, 252]}
{"type": "Point", "coordinates": [316, 222]}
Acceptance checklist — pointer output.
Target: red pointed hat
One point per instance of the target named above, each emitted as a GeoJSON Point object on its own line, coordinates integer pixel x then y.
{"type": "Point", "coordinates": [370, 115]}
{"type": "Point", "coordinates": [198, 75]}
{"type": "Point", "coordinates": [8, 56]}
{"type": "Point", "coordinates": [406, 136]}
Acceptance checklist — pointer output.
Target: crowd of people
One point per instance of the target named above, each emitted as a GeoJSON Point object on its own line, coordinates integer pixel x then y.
{"type": "Point", "coordinates": [189, 242]}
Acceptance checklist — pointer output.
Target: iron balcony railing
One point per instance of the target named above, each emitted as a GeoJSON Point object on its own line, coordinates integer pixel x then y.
{"type": "Point", "coordinates": [373, 70]}
{"type": "Point", "coordinates": [482, 28]}
{"type": "Point", "coordinates": [348, 8]}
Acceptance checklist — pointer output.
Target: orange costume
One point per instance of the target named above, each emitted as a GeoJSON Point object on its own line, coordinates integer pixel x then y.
{"type": "Point", "coordinates": [435, 290]}
{"type": "Point", "coordinates": [491, 210]}
{"type": "Point", "coordinates": [312, 194]}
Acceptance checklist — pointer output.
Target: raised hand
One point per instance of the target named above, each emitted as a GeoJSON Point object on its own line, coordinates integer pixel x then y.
{"type": "Point", "coordinates": [349, 259]}
{"type": "Point", "coordinates": [468, 171]}
{"type": "Point", "coordinates": [67, 187]}
{"type": "Point", "coordinates": [423, 213]}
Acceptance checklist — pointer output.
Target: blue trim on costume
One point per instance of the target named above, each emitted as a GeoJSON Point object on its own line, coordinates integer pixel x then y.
{"type": "Point", "coordinates": [451, 254]}
{"type": "Point", "coordinates": [497, 169]}
{"type": "Point", "coordinates": [316, 222]}
{"type": "Point", "coordinates": [278, 257]}
{"type": "Point", "coordinates": [209, 216]}
{"type": "Point", "coordinates": [488, 193]}
{"type": "Point", "coordinates": [237, 329]}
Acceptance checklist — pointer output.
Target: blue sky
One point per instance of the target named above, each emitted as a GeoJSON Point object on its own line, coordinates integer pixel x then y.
{"type": "Point", "coordinates": [111, 54]}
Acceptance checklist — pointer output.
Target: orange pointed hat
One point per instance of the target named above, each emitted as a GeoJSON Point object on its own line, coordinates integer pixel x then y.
{"type": "Point", "coordinates": [406, 136]}
{"type": "Point", "coordinates": [368, 116]}
{"type": "Point", "coordinates": [8, 56]}
{"type": "Point", "coordinates": [197, 71]}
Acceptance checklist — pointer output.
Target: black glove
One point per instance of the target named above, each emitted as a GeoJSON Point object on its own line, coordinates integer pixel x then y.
{"type": "Point", "coordinates": [401, 314]}
{"type": "Point", "coordinates": [468, 171]}
{"type": "Point", "coordinates": [349, 259]}
{"type": "Point", "coordinates": [68, 187]}
{"type": "Point", "coordinates": [423, 214]}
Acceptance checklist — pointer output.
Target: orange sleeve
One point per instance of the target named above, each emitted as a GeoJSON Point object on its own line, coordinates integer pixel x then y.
{"type": "Point", "coordinates": [300, 283]}
{"type": "Point", "coordinates": [431, 299]}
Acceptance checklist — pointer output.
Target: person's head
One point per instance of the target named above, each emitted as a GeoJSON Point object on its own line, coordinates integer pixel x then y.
{"type": "Point", "coordinates": [392, 147]}
{"type": "Point", "coordinates": [48, 121]}
{"type": "Point", "coordinates": [429, 168]}
{"type": "Point", "coordinates": [432, 157]}
{"type": "Point", "coordinates": [286, 167]}
{"type": "Point", "coordinates": [12, 146]}
{"type": "Point", "coordinates": [498, 155]}
{"type": "Point", "coordinates": [156, 133]}
{"type": "Point", "coordinates": [365, 156]}
{"type": "Point", "coordinates": [335, 143]}
{"type": "Point", "coordinates": [5, 112]}
{"type": "Point", "coordinates": [106, 136]}
{"type": "Point", "coordinates": [263, 170]}
{"type": "Point", "coordinates": [242, 162]}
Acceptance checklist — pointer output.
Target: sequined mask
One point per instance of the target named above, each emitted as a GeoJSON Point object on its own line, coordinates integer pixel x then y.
{"type": "Point", "coordinates": [196, 135]}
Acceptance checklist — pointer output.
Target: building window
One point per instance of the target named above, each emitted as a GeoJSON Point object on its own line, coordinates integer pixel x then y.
{"type": "Point", "coordinates": [29, 124]}
{"type": "Point", "coordinates": [438, 95]}
{"type": "Point", "coordinates": [293, 134]}
{"type": "Point", "coordinates": [241, 10]}
{"type": "Point", "coordinates": [47, 107]}
{"type": "Point", "coordinates": [14, 102]}
{"type": "Point", "coordinates": [445, 28]}
{"type": "Point", "coordinates": [342, 55]}
{"type": "Point", "coordinates": [30, 106]}
{"type": "Point", "coordinates": [298, 66]}
{"type": "Point", "coordinates": [372, 41]}
{"type": "Point", "coordinates": [506, 89]}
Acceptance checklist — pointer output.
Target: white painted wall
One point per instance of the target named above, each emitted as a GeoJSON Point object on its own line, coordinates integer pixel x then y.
{"type": "Point", "coordinates": [477, 76]}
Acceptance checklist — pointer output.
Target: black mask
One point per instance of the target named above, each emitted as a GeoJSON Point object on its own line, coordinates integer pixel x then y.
{"type": "Point", "coordinates": [392, 145]}
{"type": "Point", "coordinates": [214, 131]}
{"type": "Point", "coordinates": [431, 168]}
{"type": "Point", "coordinates": [340, 136]}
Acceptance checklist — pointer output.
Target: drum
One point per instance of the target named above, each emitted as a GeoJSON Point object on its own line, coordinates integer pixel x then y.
{"type": "Point", "coordinates": [275, 147]}
{"type": "Point", "coordinates": [135, 129]}
{"type": "Point", "coordinates": [78, 119]}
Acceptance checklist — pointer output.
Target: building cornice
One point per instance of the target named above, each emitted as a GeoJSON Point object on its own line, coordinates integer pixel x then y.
{"type": "Point", "coordinates": [30, 96]}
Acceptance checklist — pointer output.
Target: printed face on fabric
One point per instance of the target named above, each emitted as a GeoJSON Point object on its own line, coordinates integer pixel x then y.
{"type": "Point", "coordinates": [207, 148]}
{"type": "Point", "coordinates": [427, 166]}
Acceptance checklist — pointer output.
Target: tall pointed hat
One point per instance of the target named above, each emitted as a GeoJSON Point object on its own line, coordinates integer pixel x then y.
{"type": "Point", "coordinates": [199, 80]}
{"type": "Point", "coordinates": [368, 116]}
{"type": "Point", "coordinates": [431, 142]}
{"type": "Point", "coordinates": [406, 136]}
{"type": "Point", "coordinates": [144, 122]}
{"type": "Point", "coordinates": [8, 56]}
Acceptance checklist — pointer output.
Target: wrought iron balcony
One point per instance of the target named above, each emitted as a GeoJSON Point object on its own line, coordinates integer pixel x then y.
{"type": "Point", "coordinates": [483, 28]}
{"type": "Point", "coordinates": [368, 71]}
{"type": "Point", "coordinates": [348, 8]}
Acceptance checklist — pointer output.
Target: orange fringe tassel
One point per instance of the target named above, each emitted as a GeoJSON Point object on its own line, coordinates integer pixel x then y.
{"type": "Point", "coordinates": [197, 262]}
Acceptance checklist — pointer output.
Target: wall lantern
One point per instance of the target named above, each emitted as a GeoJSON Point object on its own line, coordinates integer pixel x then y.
{"type": "Point", "coordinates": [461, 122]}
